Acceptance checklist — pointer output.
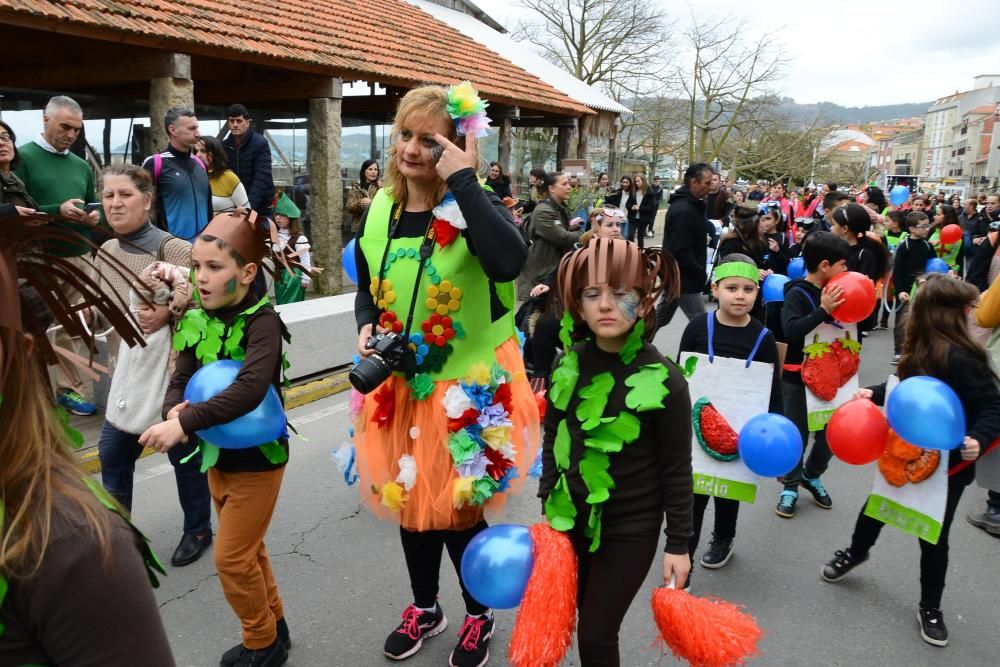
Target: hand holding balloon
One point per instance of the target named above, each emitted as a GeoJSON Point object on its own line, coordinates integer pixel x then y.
{"type": "Point", "coordinates": [832, 298]}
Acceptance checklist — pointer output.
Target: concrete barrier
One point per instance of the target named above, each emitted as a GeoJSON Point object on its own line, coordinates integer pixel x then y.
{"type": "Point", "coordinates": [324, 334]}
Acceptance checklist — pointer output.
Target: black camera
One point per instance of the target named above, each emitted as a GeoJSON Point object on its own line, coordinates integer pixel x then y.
{"type": "Point", "coordinates": [390, 353]}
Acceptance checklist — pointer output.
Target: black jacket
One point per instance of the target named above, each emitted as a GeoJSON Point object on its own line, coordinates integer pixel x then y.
{"type": "Point", "coordinates": [911, 260]}
{"type": "Point", "coordinates": [252, 163]}
{"type": "Point", "coordinates": [647, 209]}
{"type": "Point", "coordinates": [686, 238]}
{"type": "Point", "coordinates": [619, 199]}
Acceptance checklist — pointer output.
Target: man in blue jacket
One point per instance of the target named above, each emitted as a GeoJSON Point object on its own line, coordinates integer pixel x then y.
{"type": "Point", "coordinates": [183, 193]}
{"type": "Point", "coordinates": [249, 155]}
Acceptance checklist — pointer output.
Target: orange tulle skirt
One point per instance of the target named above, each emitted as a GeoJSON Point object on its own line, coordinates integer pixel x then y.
{"type": "Point", "coordinates": [419, 429]}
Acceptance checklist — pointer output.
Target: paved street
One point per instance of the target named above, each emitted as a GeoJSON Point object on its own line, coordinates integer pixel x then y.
{"type": "Point", "coordinates": [342, 576]}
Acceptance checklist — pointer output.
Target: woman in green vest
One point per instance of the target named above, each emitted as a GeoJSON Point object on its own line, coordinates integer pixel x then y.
{"type": "Point", "coordinates": [448, 422]}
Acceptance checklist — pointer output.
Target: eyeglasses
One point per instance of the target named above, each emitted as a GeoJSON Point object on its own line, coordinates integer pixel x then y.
{"type": "Point", "coordinates": [6, 139]}
{"type": "Point", "coordinates": [927, 226]}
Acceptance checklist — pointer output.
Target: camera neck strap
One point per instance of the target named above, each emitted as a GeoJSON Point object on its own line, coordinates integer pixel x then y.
{"type": "Point", "coordinates": [426, 248]}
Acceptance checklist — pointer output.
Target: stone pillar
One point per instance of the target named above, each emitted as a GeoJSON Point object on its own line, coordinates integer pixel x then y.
{"type": "Point", "coordinates": [503, 152]}
{"type": "Point", "coordinates": [173, 89]}
{"type": "Point", "coordinates": [584, 137]}
{"type": "Point", "coordinates": [564, 141]}
{"type": "Point", "coordinates": [326, 206]}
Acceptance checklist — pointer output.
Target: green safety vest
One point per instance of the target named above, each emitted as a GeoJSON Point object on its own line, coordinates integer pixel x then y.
{"type": "Point", "coordinates": [453, 285]}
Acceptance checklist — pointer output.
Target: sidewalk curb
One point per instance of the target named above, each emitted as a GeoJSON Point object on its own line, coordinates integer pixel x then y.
{"type": "Point", "coordinates": [295, 397]}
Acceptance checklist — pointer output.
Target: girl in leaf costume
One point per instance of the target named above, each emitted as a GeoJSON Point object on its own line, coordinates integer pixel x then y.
{"type": "Point", "coordinates": [59, 530]}
{"type": "Point", "coordinates": [447, 437]}
{"type": "Point", "coordinates": [234, 322]}
{"type": "Point", "coordinates": [617, 451]}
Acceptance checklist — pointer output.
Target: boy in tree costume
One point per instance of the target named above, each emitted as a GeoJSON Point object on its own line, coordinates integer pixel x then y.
{"type": "Point", "coordinates": [617, 451]}
{"type": "Point", "coordinates": [234, 322]}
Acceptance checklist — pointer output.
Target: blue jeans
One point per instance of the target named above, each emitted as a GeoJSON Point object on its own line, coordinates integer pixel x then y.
{"type": "Point", "coordinates": [119, 450]}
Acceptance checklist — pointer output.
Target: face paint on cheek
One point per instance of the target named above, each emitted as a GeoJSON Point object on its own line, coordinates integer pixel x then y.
{"type": "Point", "coordinates": [628, 304]}
{"type": "Point", "coordinates": [231, 287]}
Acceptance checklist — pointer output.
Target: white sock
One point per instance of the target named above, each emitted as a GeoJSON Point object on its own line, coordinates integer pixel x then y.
{"type": "Point", "coordinates": [488, 614]}
{"type": "Point", "coordinates": [429, 609]}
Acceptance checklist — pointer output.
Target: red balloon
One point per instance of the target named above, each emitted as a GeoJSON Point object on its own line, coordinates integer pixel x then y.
{"type": "Point", "coordinates": [857, 432]}
{"type": "Point", "coordinates": [950, 234]}
{"type": "Point", "coordinates": [859, 296]}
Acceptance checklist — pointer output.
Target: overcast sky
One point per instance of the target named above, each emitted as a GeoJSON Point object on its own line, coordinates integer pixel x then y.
{"type": "Point", "coordinates": [858, 52]}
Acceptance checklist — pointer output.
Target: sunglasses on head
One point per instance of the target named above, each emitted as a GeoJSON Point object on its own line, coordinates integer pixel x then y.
{"type": "Point", "coordinates": [613, 212]}
{"type": "Point", "coordinates": [767, 207]}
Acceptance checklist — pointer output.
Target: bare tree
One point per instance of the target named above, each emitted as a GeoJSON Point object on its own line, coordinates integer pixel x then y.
{"type": "Point", "coordinates": [767, 144]}
{"type": "Point", "coordinates": [619, 45]}
{"type": "Point", "coordinates": [726, 76]}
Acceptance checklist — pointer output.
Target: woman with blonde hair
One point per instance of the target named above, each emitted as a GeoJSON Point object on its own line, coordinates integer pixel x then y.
{"type": "Point", "coordinates": [439, 255]}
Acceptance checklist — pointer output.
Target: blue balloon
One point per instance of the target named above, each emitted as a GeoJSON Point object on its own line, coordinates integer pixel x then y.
{"type": "Point", "coordinates": [936, 265]}
{"type": "Point", "coordinates": [774, 287]}
{"type": "Point", "coordinates": [796, 268]}
{"type": "Point", "coordinates": [770, 444]}
{"type": "Point", "coordinates": [926, 412]}
{"type": "Point", "coordinates": [898, 195]}
{"type": "Point", "coordinates": [350, 266]}
{"type": "Point", "coordinates": [497, 564]}
{"type": "Point", "coordinates": [263, 424]}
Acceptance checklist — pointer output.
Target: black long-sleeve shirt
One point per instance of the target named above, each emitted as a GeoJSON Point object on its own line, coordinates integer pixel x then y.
{"type": "Point", "coordinates": [491, 235]}
{"type": "Point", "coordinates": [652, 474]}
{"type": "Point", "coordinates": [911, 260]}
{"type": "Point", "coordinates": [261, 369]}
{"type": "Point", "coordinates": [976, 387]}
{"type": "Point", "coordinates": [799, 316]}
{"type": "Point", "coordinates": [736, 343]}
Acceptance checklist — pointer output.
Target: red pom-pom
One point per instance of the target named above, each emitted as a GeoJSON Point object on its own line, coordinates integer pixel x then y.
{"type": "Point", "coordinates": [385, 400]}
{"type": "Point", "coordinates": [542, 403]}
{"type": "Point", "coordinates": [543, 631]}
{"type": "Point", "coordinates": [706, 632]}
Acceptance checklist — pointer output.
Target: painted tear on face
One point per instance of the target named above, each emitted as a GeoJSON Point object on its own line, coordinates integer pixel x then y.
{"type": "Point", "coordinates": [628, 304]}
{"type": "Point", "coordinates": [231, 287]}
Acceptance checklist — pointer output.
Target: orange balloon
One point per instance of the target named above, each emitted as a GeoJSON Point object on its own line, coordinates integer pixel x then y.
{"type": "Point", "coordinates": [857, 432]}
{"type": "Point", "coordinates": [950, 234]}
{"type": "Point", "coordinates": [859, 296]}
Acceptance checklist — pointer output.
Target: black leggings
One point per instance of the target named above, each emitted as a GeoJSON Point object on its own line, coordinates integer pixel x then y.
{"type": "Point", "coordinates": [608, 581]}
{"type": "Point", "coordinates": [933, 557]}
{"type": "Point", "coordinates": [423, 561]}
{"type": "Point", "coordinates": [726, 513]}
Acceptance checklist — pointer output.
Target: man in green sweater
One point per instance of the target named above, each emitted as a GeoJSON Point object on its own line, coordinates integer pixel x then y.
{"type": "Point", "coordinates": [62, 184]}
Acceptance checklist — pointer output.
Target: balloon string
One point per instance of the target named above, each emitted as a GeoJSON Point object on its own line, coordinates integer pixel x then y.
{"type": "Point", "coordinates": [962, 465]}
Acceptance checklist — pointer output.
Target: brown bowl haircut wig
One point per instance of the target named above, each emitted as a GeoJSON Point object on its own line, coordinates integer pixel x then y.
{"type": "Point", "coordinates": [617, 263]}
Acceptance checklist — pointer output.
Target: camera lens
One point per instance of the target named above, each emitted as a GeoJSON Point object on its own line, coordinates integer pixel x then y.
{"type": "Point", "coordinates": [369, 374]}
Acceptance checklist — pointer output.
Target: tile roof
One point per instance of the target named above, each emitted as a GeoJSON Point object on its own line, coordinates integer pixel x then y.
{"type": "Point", "coordinates": [388, 41]}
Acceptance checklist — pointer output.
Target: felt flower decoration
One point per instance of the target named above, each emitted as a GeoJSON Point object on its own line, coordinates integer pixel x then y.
{"type": "Point", "coordinates": [496, 436]}
{"type": "Point", "coordinates": [462, 447]}
{"type": "Point", "coordinates": [493, 415]}
{"type": "Point", "coordinates": [469, 417]}
{"type": "Point", "coordinates": [386, 407]}
{"type": "Point", "coordinates": [462, 491]}
{"type": "Point", "coordinates": [483, 489]}
{"type": "Point", "coordinates": [444, 232]}
{"type": "Point", "coordinates": [407, 472]}
{"type": "Point", "coordinates": [478, 374]}
{"type": "Point", "coordinates": [355, 404]}
{"type": "Point", "coordinates": [475, 466]}
{"type": "Point", "coordinates": [503, 396]}
{"type": "Point", "coordinates": [498, 463]}
{"type": "Point", "coordinates": [421, 386]}
{"type": "Point", "coordinates": [393, 496]}
{"type": "Point", "coordinates": [456, 402]}
{"type": "Point", "coordinates": [479, 394]}
{"type": "Point", "coordinates": [449, 211]}
{"type": "Point", "coordinates": [467, 110]}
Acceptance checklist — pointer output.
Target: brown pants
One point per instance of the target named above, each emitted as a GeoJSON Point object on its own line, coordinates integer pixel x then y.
{"type": "Point", "coordinates": [245, 502]}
